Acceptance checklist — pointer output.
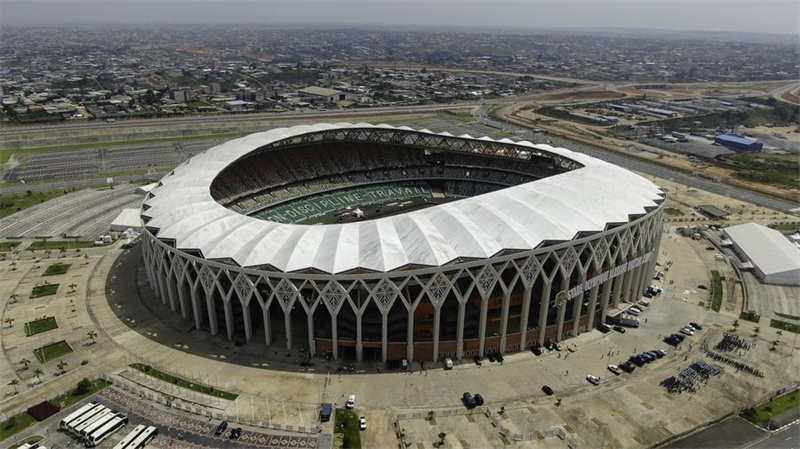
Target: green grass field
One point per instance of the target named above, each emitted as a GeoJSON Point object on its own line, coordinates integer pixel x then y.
{"type": "Point", "coordinates": [10, 204]}
{"type": "Point", "coordinates": [751, 317]}
{"type": "Point", "coordinates": [788, 317]}
{"type": "Point", "coordinates": [673, 212]}
{"type": "Point", "coordinates": [716, 302]}
{"type": "Point", "coordinates": [784, 325]}
{"type": "Point", "coordinates": [15, 424]}
{"type": "Point", "coordinates": [52, 351]}
{"type": "Point", "coordinates": [346, 423]}
{"type": "Point", "coordinates": [56, 269]}
{"type": "Point", "coordinates": [72, 396]}
{"type": "Point", "coordinates": [41, 325]}
{"type": "Point", "coordinates": [205, 389]}
{"type": "Point", "coordinates": [44, 290]}
{"type": "Point", "coordinates": [59, 244]}
{"type": "Point", "coordinates": [8, 246]}
{"type": "Point", "coordinates": [776, 406]}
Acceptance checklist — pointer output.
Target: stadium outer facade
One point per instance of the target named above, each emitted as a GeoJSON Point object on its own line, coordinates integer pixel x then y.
{"type": "Point", "coordinates": [575, 246]}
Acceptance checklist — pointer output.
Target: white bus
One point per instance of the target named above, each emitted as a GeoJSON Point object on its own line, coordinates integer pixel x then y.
{"type": "Point", "coordinates": [90, 417]}
{"type": "Point", "coordinates": [139, 443]}
{"type": "Point", "coordinates": [125, 442]}
{"type": "Point", "coordinates": [96, 424]}
{"type": "Point", "coordinates": [100, 435]}
{"type": "Point", "coordinates": [76, 414]}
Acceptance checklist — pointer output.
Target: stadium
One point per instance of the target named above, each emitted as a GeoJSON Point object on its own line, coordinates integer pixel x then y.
{"type": "Point", "coordinates": [381, 243]}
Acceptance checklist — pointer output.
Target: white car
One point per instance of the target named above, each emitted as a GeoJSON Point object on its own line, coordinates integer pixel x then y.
{"type": "Point", "coordinates": [448, 363]}
{"type": "Point", "coordinates": [351, 401]}
{"type": "Point", "coordinates": [593, 379]}
{"type": "Point", "coordinates": [614, 369]}
{"type": "Point", "coordinates": [687, 331]}
{"type": "Point", "coordinates": [362, 423]}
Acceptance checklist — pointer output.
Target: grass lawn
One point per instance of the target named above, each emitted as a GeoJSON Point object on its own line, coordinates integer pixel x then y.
{"type": "Point", "coordinates": [8, 246]}
{"type": "Point", "coordinates": [72, 396]}
{"type": "Point", "coordinates": [205, 389]}
{"type": "Point", "coordinates": [44, 290]}
{"type": "Point", "coordinates": [346, 423]}
{"type": "Point", "coordinates": [72, 244]}
{"type": "Point", "coordinates": [786, 227]}
{"type": "Point", "coordinates": [56, 268]}
{"type": "Point", "coordinates": [751, 317]}
{"type": "Point", "coordinates": [15, 424]}
{"type": "Point", "coordinates": [786, 326]}
{"type": "Point", "coordinates": [776, 406]}
{"type": "Point", "coordinates": [10, 204]}
{"type": "Point", "coordinates": [788, 317]}
{"type": "Point", "coordinates": [673, 212]}
{"type": "Point", "coordinates": [41, 325]}
{"type": "Point", "coordinates": [716, 302]}
{"type": "Point", "coordinates": [502, 135]}
{"type": "Point", "coordinates": [52, 351]}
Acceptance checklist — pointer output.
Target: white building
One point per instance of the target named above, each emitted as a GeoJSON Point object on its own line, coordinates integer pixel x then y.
{"type": "Point", "coordinates": [775, 259]}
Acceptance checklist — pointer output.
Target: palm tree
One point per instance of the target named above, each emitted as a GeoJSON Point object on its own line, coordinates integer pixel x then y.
{"type": "Point", "coordinates": [9, 321]}
{"type": "Point", "coordinates": [12, 298]}
{"type": "Point", "coordinates": [92, 335]}
{"type": "Point", "coordinates": [442, 436]}
{"type": "Point", "coordinates": [3, 256]}
{"type": "Point", "coordinates": [14, 383]}
{"type": "Point", "coordinates": [47, 253]}
{"type": "Point", "coordinates": [85, 257]}
{"type": "Point", "coordinates": [62, 251]}
{"type": "Point", "coordinates": [735, 324]}
{"type": "Point", "coordinates": [38, 373]}
{"type": "Point", "coordinates": [72, 287]}
{"type": "Point", "coordinates": [756, 330]}
{"type": "Point", "coordinates": [24, 362]}
{"type": "Point", "coordinates": [61, 365]}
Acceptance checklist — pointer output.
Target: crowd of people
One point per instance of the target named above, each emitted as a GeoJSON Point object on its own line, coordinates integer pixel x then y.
{"type": "Point", "coordinates": [732, 342]}
{"type": "Point", "coordinates": [691, 377]}
{"type": "Point", "coordinates": [740, 366]}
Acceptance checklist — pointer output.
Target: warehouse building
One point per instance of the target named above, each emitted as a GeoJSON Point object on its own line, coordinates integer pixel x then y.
{"type": "Point", "coordinates": [774, 259]}
{"type": "Point", "coordinates": [738, 143]}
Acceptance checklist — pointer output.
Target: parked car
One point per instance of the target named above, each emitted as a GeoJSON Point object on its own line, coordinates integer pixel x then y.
{"type": "Point", "coordinates": [627, 367]}
{"type": "Point", "coordinates": [619, 329]}
{"type": "Point", "coordinates": [448, 363]}
{"type": "Point", "coordinates": [221, 428]}
{"type": "Point", "coordinates": [468, 400]}
{"type": "Point", "coordinates": [548, 345]}
{"type": "Point", "coordinates": [500, 358]}
{"type": "Point", "coordinates": [351, 401]}
{"type": "Point", "coordinates": [491, 357]}
{"type": "Point", "coordinates": [547, 390]}
{"type": "Point", "coordinates": [478, 360]}
{"type": "Point", "coordinates": [696, 325]}
{"type": "Point", "coordinates": [604, 328]}
{"type": "Point", "coordinates": [687, 331]}
{"type": "Point", "coordinates": [702, 287]}
{"type": "Point", "coordinates": [594, 380]}
{"type": "Point", "coordinates": [634, 312]}
{"type": "Point", "coordinates": [362, 423]}
{"type": "Point", "coordinates": [236, 433]}
{"type": "Point", "coordinates": [536, 350]}
{"type": "Point", "coordinates": [660, 352]}
{"type": "Point", "coordinates": [615, 369]}
{"type": "Point", "coordinates": [557, 346]}
{"type": "Point", "coordinates": [326, 412]}
{"type": "Point", "coordinates": [478, 399]}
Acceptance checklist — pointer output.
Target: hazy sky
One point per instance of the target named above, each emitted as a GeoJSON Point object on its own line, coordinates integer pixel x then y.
{"type": "Point", "coordinates": [749, 16]}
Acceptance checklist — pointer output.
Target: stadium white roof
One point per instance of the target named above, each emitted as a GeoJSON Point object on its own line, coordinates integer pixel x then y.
{"type": "Point", "coordinates": [767, 248]}
{"type": "Point", "coordinates": [519, 217]}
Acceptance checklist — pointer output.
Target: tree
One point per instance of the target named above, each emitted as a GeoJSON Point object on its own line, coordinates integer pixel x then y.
{"type": "Point", "coordinates": [442, 436]}
{"type": "Point", "coordinates": [83, 387]}
{"type": "Point", "coordinates": [735, 324]}
{"type": "Point", "coordinates": [12, 298]}
{"type": "Point", "coordinates": [14, 383]}
{"type": "Point", "coordinates": [92, 335]}
{"type": "Point", "coordinates": [62, 251]}
{"type": "Point", "coordinates": [72, 287]}
{"type": "Point", "coordinates": [9, 321]}
{"type": "Point", "coordinates": [24, 362]}
{"type": "Point", "coordinates": [62, 365]}
{"type": "Point", "coordinates": [86, 257]}
{"type": "Point", "coordinates": [47, 253]}
{"type": "Point", "coordinates": [38, 373]}
{"type": "Point", "coordinates": [756, 330]}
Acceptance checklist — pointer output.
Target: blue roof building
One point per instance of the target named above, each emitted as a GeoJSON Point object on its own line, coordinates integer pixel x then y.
{"type": "Point", "coordinates": [738, 143]}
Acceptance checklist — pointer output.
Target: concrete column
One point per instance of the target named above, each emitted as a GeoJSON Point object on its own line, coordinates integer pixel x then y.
{"type": "Point", "coordinates": [182, 300]}
{"type": "Point", "coordinates": [410, 334]}
{"type": "Point", "coordinates": [437, 313]}
{"type": "Point", "coordinates": [228, 308]}
{"type": "Point", "coordinates": [636, 288]}
{"type": "Point", "coordinates": [334, 337]}
{"type": "Point", "coordinates": [198, 317]}
{"type": "Point", "coordinates": [212, 312]}
{"type": "Point", "coordinates": [312, 349]}
{"type": "Point", "coordinates": [267, 325]}
{"type": "Point", "coordinates": [615, 294]}
{"type": "Point", "coordinates": [577, 309]}
{"type": "Point", "coordinates": [173, 296]}
{"type": "Point", "coordinates": [248, 325]}
{"type": "Point", "coordinates": [592, 304]}
{"type": "Point", "coordinates": [626, 285]}
{"type": "Point", "coordinates": [504, 320]}
{"type": "Point", "coordinates": [543, 306]}
{"type": "Point", "coordinates": [523, 320]}
{"type": "Point", "coordinates": [562, 311]}
{"type": "Point", "coordinates": [482, 325]}
{"type": "Point", "coordinates": [604, 297]}
{"type": "Point", "coordinates": [359, 339]}
{"type": "Point", "coordinates": [385, 337]}
{"type": "Point", "coordinates": [161, 290]}
{"type": "Point", "coordinates": [460, 330]}
{"type": "Point", "coordinates": [287, 322]}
